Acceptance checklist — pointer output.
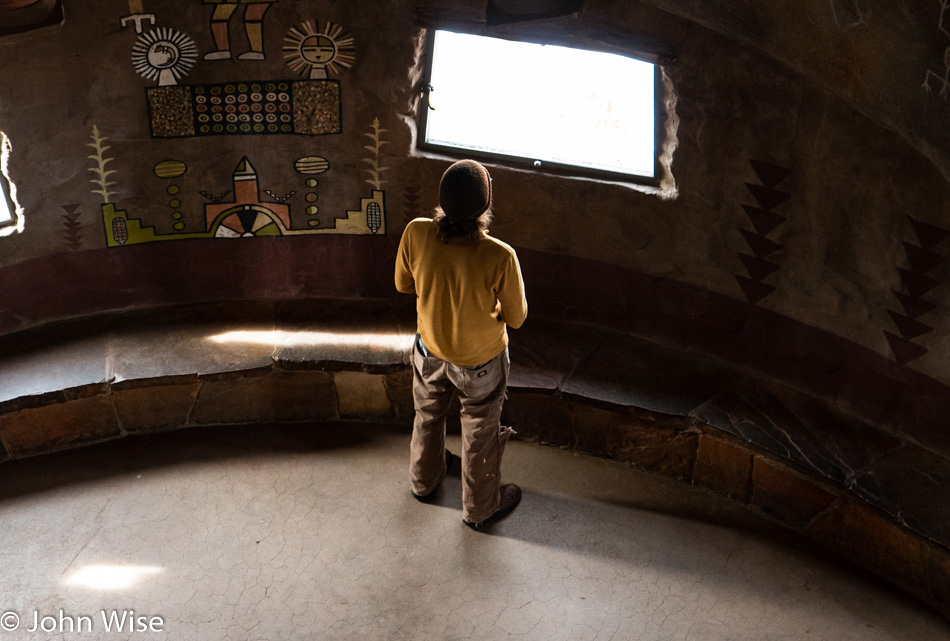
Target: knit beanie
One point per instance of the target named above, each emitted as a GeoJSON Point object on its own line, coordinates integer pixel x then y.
{"type": "Point", "coordinates": [465, 191]}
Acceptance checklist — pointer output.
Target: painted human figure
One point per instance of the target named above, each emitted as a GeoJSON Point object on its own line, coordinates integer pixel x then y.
{"type": "Point", "coordinates": [254, 11]}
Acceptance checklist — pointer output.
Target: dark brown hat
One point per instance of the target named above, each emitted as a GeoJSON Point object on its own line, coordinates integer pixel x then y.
{"type": "Point", "coordinates": [465, 191]}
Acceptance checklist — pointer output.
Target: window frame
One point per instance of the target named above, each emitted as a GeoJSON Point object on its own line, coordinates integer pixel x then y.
{"type": "Point", "coordinates": [7, 197]}
{"type": "Point", "coordinates": [533, 164]}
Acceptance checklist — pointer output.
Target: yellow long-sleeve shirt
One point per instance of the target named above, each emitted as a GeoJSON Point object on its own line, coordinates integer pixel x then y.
{"type": "Point", "coordinates": [466, 294]}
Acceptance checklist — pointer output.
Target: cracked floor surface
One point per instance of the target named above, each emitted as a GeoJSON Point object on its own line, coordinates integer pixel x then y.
{"type": "Point", "coordinates": [309, 532]}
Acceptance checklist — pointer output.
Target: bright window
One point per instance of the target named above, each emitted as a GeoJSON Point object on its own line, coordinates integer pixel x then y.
{"type": "Point", "coordinates": [6, 198]}
{"type": "Point", "coordinates": [6, 209]}
{"type": "Point", "coordinates": [548, 106]}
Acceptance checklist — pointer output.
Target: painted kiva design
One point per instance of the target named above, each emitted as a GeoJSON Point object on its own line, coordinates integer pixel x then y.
{"type": "Point", "coordinates": [764, 221]}
{"type": "Point", "coordinates": [916, 283]}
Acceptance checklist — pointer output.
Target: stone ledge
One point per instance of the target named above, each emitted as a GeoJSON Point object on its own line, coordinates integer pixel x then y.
{"type": "Point", "coordinates": [861, 491]}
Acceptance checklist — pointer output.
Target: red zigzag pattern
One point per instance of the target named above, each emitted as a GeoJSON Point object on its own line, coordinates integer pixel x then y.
{"type": "Point", "coordinates": [917, 283]}
{"type": "Point", "coordinates": [73, 231]}
{"type": "Point", "coordinates": [764, 220]}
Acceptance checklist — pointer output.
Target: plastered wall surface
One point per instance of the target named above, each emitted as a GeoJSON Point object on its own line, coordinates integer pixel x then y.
{"type": "Point", "coordinates": [810, 169]}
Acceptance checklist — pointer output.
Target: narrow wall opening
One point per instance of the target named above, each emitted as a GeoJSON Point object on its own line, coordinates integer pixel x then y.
{"type": "Point", "coordinates": [11, 214]}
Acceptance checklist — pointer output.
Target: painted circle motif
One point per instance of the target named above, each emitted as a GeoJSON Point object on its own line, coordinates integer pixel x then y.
{"type": "Point", "coordinates": [177, 215]}
{"type": "Point", "coordinates": [312, 197]}
{"type": "Point", "coordinates": [247, 223]}
{"type": "Point", "coordinates": [179, 226]}
{"type": "Point", "coordinates": [312, 210]}
{"type": "Point", "coordinates": [317, 49]}
{"type": "Point", "coordinates": [170, 169]}
{"type": "Point", "coordinates": [311, 165]}
{"type": "Point", "coordinates": [164, 54]}
{"type": "Point", "coordinates": [312, 182]}
{"type": "Point", "coordinates": [172, 190]}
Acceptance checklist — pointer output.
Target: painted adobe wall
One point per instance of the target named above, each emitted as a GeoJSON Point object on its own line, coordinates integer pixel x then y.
{"type": "Point", "coordinates": [810, 171]}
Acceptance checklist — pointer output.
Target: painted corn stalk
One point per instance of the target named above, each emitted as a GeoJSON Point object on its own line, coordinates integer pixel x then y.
{"type": "Point", "coordinates": [375, 169]}
{"type": "Point", "coordinates": [102, 174]}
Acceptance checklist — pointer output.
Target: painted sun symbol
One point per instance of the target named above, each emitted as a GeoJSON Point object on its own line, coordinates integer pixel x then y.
{"type": "Point", "coordinates": [307, 49]}
{"type": "Point", "coordinates": [164, 55]}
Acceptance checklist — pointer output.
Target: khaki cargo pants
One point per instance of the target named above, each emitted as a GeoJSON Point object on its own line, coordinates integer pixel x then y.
{"type": "Point", "coordinates": [481, 393]}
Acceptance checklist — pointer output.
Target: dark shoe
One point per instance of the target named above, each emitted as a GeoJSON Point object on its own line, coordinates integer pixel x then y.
{"type": "Point", "coordinates": [510, 497]}
{"type": "Point", "coordinates": [449, 461]}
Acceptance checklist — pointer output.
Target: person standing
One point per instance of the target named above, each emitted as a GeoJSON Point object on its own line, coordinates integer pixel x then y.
{"type": "Point", "coordinates": [469, 290]}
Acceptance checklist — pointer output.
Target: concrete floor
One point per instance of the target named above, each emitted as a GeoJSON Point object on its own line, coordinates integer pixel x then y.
{"type": "Point", "coordinates": [309, 532]}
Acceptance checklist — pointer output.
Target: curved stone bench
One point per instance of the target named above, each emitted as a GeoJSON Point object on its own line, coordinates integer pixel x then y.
{"type": "Point", "coordinates": [857, 488]}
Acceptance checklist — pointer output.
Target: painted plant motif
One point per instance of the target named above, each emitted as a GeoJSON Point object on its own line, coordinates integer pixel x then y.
{"type": "Point", "coordinates": [102, 174]}
{"type": "Point", "coordinates": [375, 168]}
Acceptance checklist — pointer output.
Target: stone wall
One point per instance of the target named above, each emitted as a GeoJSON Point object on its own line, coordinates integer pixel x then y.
{"type": "Point", "coordinates": [804, 237]}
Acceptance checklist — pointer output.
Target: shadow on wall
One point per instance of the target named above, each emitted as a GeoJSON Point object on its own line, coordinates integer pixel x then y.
{"type": "Point", "coordinates": [21, 16]}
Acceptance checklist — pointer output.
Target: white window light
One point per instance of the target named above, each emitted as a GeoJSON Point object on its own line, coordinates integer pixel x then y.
{"type": "Point", "coordinates": [6, 215]}
{"type": "Point", "coordinates": [6, 197]}
{"type": "Point", "coordinates": [542, 104]}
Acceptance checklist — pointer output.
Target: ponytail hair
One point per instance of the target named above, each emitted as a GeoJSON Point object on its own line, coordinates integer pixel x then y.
{"type": "Point", "coordinates": [469, 229]}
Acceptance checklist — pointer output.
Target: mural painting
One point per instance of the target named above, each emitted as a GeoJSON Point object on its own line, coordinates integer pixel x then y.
{"type": "Point", "coordinates": [165, 55]}
{"type": "Point", "coordinates": [942, 79]}
{"type": "Point", "coordinates": [137, 16]}
{"type": "Point", "coordinates": [239, 212]}
{"type": "Point", "coordinates": [239, 206]}
{"type": "Point", "coordinates": [309, 107]}
{"type": "Point", "coordinates": [917, 283]}
{"type": "Point", "coordinates": [100, 171]}
{"type": "Point", "coordinates": [763, 220]}
{"type": "Point", "coordinates": [252, 19]}
{"type": "Point", "coordinates": [312, 166]}
{"type": "Point", "coordinates": [72, 228]}
{"type": "Point", "coordinates": [312, 53]}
